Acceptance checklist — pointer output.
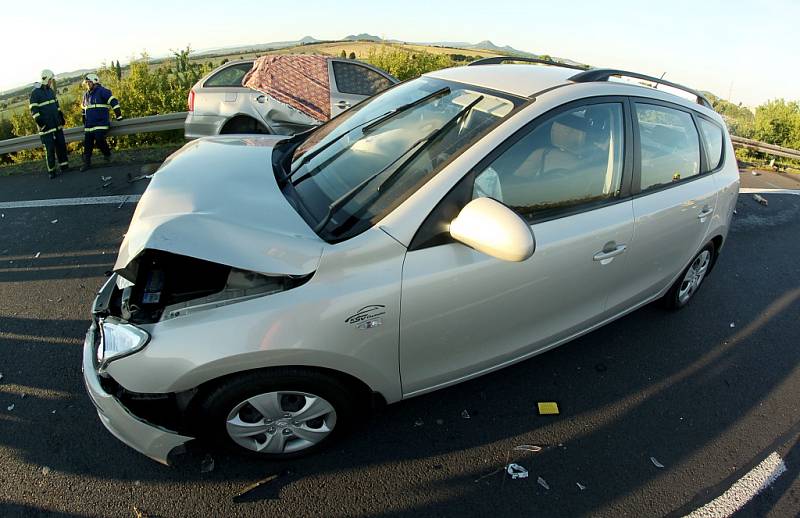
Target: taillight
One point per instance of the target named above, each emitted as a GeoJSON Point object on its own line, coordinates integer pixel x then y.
{"type": "Point", "coordinates": [190, 101]}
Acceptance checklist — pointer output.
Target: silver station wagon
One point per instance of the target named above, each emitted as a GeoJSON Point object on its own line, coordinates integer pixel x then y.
{"type": "Point", "coordinates": [445, 228]}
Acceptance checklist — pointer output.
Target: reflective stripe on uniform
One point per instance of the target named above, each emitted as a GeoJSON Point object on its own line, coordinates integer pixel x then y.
{"type": "Point", "coordinates": [37, 114]}
{"type": "Point", "coordinates": [96, 128]}
{"type": "Point", "coordinates": [45, 103]}
{"type": "Point", "coordinates": [63, 163]}
{"type": "Point", "coordinates": [50, 131]}
{"type": "Point", "coordinates": [112, 98]}
{"type": "Point", "coordinates": [90, 106]}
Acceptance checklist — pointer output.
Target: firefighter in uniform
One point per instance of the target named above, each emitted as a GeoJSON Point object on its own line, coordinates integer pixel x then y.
{"type": "Point", "coordinates": [97, 101]}
{"type": "Point", "coordinates": [50, 121]}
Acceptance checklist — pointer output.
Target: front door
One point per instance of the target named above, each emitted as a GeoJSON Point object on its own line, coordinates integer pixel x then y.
{"type": "Point", "coordinates": [463, 312]}
{"type": "Point", "coordinates": [351, 83]}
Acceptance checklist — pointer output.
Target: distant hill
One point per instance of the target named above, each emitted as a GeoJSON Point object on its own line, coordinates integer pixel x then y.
{"type": "Point", "coordinates": [363, 37]}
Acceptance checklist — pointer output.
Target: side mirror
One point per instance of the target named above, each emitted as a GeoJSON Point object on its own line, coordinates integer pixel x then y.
{"type": "Point", "coordinates": [490, 227]}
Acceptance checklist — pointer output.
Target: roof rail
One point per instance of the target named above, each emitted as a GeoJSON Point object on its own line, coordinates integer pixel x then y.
{"type": "Point", "coordinates": [496, 60]}
{"type": "Point", "coordinates": [602, 74]}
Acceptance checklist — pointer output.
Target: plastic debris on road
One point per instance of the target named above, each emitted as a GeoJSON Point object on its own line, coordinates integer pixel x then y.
{"type": "Point", "coordinates": [548, 408]}
{"type": "Point", "coordinates": [760, 199]}
{"type": "Point", "coordinates": [542, 483]}
{"type": "Point", "coordinates": [418, 422]}
{"type": "Point", "coordinates": [207, 466]}
{"type": "Point", "coordinates": [580, 486]}
{"type": "Point", "coordinates": [1, 375]}
{"type": "Point", "coordinates": [465, 414]}
{"type": "Point", "coordinates": [54, 221]}
{"type": "Point", "coordinates": [755, 173]}
{"type": "Point", "coordinates": [37, 255]}
{"type": "Point", "coordinates": [11, 407]}
{"type": "Point", "coordinates": [528, 447]}
{"type": "Point", "coordinates": [733, 324]}
{"type": "Point", "coordinates": [105, 178]}
{"type": "Point", "coordinates": [45, 470]}
{"type": "Point", "coordinates": [516, 471]}
{"type": "Point", "coordinates": [656, 463]}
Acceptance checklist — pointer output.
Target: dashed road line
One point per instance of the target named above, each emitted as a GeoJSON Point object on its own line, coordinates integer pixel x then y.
{"type": "Point", "coordinates": [65, 202]}
{"type": "Point", "coordinates": [753, 190]}
{"type": "Point", "coordinates": [743, 490]}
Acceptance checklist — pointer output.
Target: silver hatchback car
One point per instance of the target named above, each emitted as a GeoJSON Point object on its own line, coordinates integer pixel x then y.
{"type": "Point", "coordinates": [219, 104]}
{"type": "Point", "coordinates": [450, 226]}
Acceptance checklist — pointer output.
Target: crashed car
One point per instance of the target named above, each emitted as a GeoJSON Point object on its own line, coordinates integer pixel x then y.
{"type": "Point", "coordinates": [279, 94]}
{"type": "Point", "coordinates": [450, 226]}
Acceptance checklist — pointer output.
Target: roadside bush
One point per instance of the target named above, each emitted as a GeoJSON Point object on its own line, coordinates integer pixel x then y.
{"type": "Point", "coordinates": [145, 90]}
{"type": "Point", "coordinates": [406, 64]}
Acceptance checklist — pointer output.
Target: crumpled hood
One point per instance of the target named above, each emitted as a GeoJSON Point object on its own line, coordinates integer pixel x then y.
{"type": "Point", "coordinates": [217, 199]}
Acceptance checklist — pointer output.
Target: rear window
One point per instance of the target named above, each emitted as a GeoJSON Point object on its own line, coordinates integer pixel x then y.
{"type": "Point", "coordinates": [358, 80]}
{"type": "Point", "coordinates": [670, 145]}
{"type": "Point", "coordinates": [713, 139]}
{"type": "Point", "coordinates": [230, 76]}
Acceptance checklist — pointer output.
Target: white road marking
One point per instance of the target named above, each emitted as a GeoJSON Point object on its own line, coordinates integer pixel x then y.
{"type": "Point", "coordinates": [751, 190]}
{"type": "Point", "coordinates": [743, 490]}
{"type": "Point", "coordinates": [65, 202]}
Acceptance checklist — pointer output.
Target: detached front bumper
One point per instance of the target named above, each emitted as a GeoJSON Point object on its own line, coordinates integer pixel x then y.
{"type": "Point", "coordinates": [151, 440]}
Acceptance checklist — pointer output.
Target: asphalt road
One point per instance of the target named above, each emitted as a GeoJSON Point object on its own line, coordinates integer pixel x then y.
{"type": "Point", "coordinates": [709, 392]}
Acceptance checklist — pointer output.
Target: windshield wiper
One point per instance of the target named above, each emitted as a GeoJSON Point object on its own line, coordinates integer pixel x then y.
{"type": "Point", "coordinates": [419, 145]}
{"type": "Point", "coordinates": [367, 126]}
{"type": "Point", "coordinates": [400, 109]}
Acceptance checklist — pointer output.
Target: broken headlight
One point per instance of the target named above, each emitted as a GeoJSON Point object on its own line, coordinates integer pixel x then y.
{"type": "Point", "coordinates": [119, 339]}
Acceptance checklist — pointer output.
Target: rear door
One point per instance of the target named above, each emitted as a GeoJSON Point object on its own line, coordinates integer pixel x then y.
{"type": "Point", "coordinates": [353, 82]}
{"type": "Point", "coordinates": [673, 199]}
{"type": "Point", "coordinates": [463, 313]}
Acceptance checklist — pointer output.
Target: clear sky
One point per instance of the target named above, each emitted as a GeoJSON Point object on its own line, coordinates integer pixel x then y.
{"type": "Point", "coordinates": [750, 50]}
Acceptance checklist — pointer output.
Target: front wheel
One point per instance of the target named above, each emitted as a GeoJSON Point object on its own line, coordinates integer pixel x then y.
{"type": "Point", "coordinates": [278, 414]}
{"type": "Point", "coordinates": [690, 280]}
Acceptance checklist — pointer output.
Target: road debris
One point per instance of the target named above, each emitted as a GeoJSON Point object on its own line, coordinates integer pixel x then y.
{"type": "Point", "coordinates": [45, 470]}
{"type": "Point", "coordinates": [542, 483]}
{"type": "Point", "coordinates": [516, 471]}
{"type": "Point", "coordinates": [37, 255]}
{"type": "Point", "coordinates": [418, 422]}
{"type": "Point", "coordinates": [580, 486]}
{"type": "Point", "coordinates": [54, 221]}
{"type": "Point", "coordinates": [253, 492]}
{"type": "Point", "coordinates": [755, 173]}
{"type": "Point", "coordinates": [1, 375]}
{"type": "Point", "coordinates": [207, 466]}
{"type": "Point", "coordinates": [760, 199]}
{"type": "Point", "coordinates": [465, 414]}
{"type": "Point", "coordinates": [105, 178]}
{"type": "Point", "coordinates": [123, 202]}
{"type": "Point", "coordinates": [11, 407]}
{"type": "Point", "coordinates": [733, 324]}
{"type": "Point", "coordinates": [656, 463]}
{"type": "Point", "coordinates": [548, 408]}
{"type": "Point", "coordinates": [132, 179]}
{"type": "Point", "coordinates": [137, 513]}
{"type": "Point", "coordinates": [528, 447]}
{"type": "Point", "coordinates": [106, 184]}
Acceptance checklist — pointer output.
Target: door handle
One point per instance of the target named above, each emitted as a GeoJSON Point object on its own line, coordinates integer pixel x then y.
{"type": "Point", "coordinates": [705, 213]}
{"type": "Point", "coordinates": [343, 104]}
{"type": "Point", "coordinates": [609, 254]}
{"type": "Point", "coordinates": [261, 99]}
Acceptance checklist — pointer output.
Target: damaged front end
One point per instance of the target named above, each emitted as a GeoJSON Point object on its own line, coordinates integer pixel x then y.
{"type": "Point", "coordinates": [157, 286]}
{"type": "Point", "coordinates": [160, 285]}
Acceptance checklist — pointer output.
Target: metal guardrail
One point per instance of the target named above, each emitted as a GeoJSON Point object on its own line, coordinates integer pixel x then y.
{"type": "Point", "coordinates": [152, 123]}
{"type": "Point", "coordinates": [770, 149]}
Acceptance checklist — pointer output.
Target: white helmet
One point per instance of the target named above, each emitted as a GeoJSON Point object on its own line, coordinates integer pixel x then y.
{"type": "Point", "coordinates": [93, 78]}
{"type": "Point", "coordinates": [47, 75]}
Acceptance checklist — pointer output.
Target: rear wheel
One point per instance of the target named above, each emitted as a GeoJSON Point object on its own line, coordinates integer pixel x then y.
{"type": "Point", "coordinates": [278, 413]}
{"type": "Point", "coordinates": [690, 280]}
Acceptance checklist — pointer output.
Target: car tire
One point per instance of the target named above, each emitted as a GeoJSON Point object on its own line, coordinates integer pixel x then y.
{"type": "Point", "coordinates": [273, 414]}
{"type": "Point", "coordinates": [690, 279]}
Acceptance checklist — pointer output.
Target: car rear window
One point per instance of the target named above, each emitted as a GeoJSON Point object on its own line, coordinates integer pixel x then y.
{"type": "Point", "coordinates": [358, 80]}
{"type": "Point", "coordinates": [230, 76]}
{"type": "Point", "coordinates": [670, 145]}
{"type": "Point", "coordinates": [713, 139]}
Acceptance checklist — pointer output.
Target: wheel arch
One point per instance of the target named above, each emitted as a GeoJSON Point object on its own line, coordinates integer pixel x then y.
{"type": "Point", "coordinates": [242, 118]}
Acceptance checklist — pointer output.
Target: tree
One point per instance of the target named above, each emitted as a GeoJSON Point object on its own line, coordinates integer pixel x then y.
{"type": "Point", "coordinates": [352, 55]}
{"type": "Point", "coordinates": [344, 53]}
{"type": "Point", "coordinates": [778, 122]}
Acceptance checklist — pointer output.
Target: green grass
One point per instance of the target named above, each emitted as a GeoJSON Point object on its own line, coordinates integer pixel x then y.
{"type": "Point", "coordinates": [144, 155]}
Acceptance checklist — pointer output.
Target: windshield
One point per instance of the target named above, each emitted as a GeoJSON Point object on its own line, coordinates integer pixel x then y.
{"type": "Point", "coordinates": [363, 163]}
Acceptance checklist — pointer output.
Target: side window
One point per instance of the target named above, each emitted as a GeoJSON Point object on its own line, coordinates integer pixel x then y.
{"type": "Point", "coordinates": [670, 145]}
{"type": "Point", "coordinates": [230, 76]}
{"type": "Point", "coordinates": [712, 134]}
{"type": "Point", "coordinates": [358, 80]}
{"type": "Point", "coordinates": [569, 160]}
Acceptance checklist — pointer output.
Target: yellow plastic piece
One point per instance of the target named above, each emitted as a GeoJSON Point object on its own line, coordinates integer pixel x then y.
{"type": "Point", "coordinates": [548, 408]}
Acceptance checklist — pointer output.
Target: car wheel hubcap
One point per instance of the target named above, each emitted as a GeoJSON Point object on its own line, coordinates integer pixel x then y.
{"type": "Point", "coordinates": [281, 422]}
{"type": "Point", "coordinates": [694, 276]}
